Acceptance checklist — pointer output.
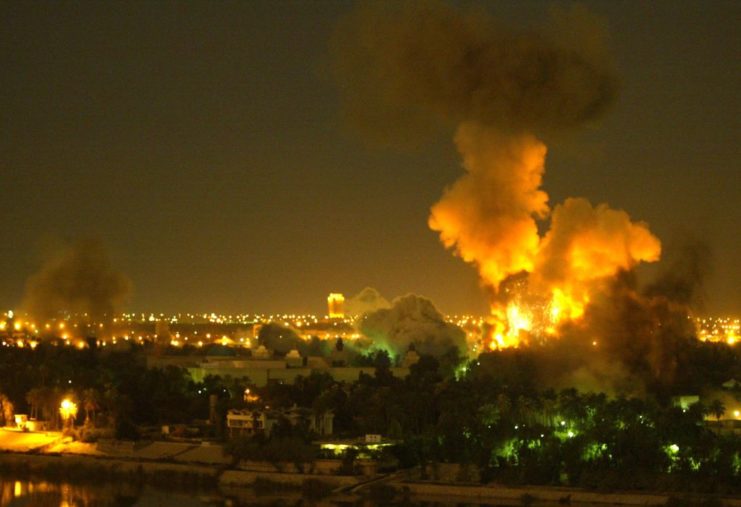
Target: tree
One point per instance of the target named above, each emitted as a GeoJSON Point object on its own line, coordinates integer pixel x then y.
{"type": "Point", "coordinates": [91, 404]}
{"type": "Point", "coordinates": [382, 362]}
{"type": "Point", "coordinates": [34, 398]}
{"type": "Point", "coordinates": [717, 408]}
{"type": "Point", "coordinates": [6, 411]}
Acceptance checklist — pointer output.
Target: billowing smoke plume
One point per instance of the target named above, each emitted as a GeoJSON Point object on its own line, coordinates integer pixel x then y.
{"type": "Point", "coordinates": [76, 278]}
{"type": "Point", "coordinates": [366, 301]}
{"type": "Point", "coordinates": [420, 62]}
{"type": "Point", "coordinates": [631, 340]}
{"type": "Point", "coordinates": [409, 63]}
{"type": "Point", "coordinates": [488, 215]}
{"type": "Point", "coordinates": [412, 320]}
{"type": "Point", "coordinates": [683, 274]}
{"type": "Point", "coordinates": [280, 339]}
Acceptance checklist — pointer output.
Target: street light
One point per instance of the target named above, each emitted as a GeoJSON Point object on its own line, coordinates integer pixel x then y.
{"type": "Point", "coordinates": [68, 411]}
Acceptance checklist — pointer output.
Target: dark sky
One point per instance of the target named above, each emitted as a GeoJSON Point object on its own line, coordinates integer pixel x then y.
{"type": "Point", "coordinates": [202, 141]}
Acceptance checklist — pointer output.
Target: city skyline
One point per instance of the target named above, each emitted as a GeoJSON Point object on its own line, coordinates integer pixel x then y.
{"type": "Point", "coordinates": [204, 145]}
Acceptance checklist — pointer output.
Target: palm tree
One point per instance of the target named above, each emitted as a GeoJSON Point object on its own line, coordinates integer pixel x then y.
{"type": "Point", "coordinates": [527, 409]}
{"type": "Point", "coordinates": [6, 411]}
{"type": "Point", "coordinates": [717, 408]}
{"type": "Point", "coordinates": [50, 407]}
{"type": "Point", "coordinates": [91, 404]}
{"type": "Point", "coordinates": [34, 398]}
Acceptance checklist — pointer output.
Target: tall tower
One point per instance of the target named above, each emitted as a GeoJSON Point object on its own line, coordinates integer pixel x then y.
{"type": "Point", "coordinates": [336, 304]}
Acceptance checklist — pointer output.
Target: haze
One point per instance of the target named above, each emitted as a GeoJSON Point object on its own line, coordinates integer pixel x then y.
{"type": "Point", "coordinates": [203, 142]}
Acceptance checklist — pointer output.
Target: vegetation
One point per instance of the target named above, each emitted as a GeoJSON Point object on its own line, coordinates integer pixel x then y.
{"type": "Point", "coordinates": [113, 388]}
{"type": "Point", "coordinates": [492, 415]}
{"type": "Point", "coordinates": [489, 414]}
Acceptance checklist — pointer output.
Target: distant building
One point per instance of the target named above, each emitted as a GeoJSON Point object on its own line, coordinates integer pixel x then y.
{"type": "Point", "coordinates": [336, 305]}
{"type": "Point", "coordinates": [248, 422]}
{"type": "Point", "coordinates": [251, 422]}
{"type": "Point", "coordinates": [294, 359]}
{"type": "Point", "coordinates": [261, 372]}
{"type": "Point", "coordinates": [261, 353]}
{"type": "Point", "coordinates": [338, 356]}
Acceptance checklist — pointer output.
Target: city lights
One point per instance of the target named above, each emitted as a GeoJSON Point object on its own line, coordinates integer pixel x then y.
{"type": "Point", "coordinates": [517, 326]}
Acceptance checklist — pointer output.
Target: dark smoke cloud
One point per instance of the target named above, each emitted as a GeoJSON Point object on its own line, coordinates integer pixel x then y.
{"type": "Point", "coordinates": [403, 66]}
{"type": "Point", "coordinates": [630, 340]}
{"type": "Point", "coordinates": [683, 274]}
{"type": "Point", "coordinates": [412, 320]}
{"type": "Point", "coordinates": [280, 339]}
{"type": "Point", "coordinates": [76, 278]}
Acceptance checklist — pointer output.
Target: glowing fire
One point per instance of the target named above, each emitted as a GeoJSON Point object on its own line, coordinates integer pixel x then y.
{"type": "Point", "coordinates": [492, 216]}
{"type": "Point", "coordinates": [509, 325]}
{"type": "Point", "coordinates": [517, 322]}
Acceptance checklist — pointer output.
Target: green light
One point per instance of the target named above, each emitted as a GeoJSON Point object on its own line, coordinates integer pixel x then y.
{"type": "Point", "coordinates": [594, 451]}
{"type": "Point", "coordinates": [509, 450]}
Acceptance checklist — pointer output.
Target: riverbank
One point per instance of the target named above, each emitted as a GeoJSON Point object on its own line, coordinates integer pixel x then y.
{"type": "Point", "coordinates": [51, 455]}
{"type": "Point", "coordinates": [90, 468]}
{"type": "Point", "coordinates": [531, 494]}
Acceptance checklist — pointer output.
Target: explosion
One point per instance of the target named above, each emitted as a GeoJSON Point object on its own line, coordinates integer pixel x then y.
{"type": "Point", "coordinates": [490, 217]}
{"type": "Point", "coordinates": [505, 91]}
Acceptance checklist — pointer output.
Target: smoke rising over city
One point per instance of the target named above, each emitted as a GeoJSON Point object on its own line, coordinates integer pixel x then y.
{"type": "Point", "coordinates": [483, 172]}
{"type": "Point", "coordinates": [503, 90]}
{"type": "Point", "coordinates": [365, 301]}
{"type": "Point", "coordinates": [76, 278]}
{"type": "Point", "coordinates": [400, 61]}
{"type": "Point", "coordinates": [553, 271]}
{"type": "Point", "coordinates": [412, 320]}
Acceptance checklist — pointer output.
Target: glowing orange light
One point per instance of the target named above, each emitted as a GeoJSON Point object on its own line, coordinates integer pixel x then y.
{"type": "Point", "coordinates": [68, 410]}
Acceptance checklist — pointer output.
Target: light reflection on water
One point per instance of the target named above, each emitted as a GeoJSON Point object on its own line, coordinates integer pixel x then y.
{"type": "Point", "coordinates": [48, 493]}
{"type": "Point", "coordinates": [43, 493]}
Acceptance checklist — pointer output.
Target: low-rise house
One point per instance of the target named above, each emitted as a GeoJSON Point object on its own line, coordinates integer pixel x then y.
{"type": "Point", "coordinates": [250, 422]}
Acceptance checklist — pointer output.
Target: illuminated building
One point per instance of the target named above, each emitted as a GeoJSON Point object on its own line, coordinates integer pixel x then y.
{"type": "Point", "coordinates": [252, 422]}
{"type": "Point", "coordinates": [336, 304]}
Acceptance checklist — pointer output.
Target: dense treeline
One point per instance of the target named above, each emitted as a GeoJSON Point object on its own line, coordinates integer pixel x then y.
{"type": "Point", "coordinates": [494, 416]}
{"type": "Point", "coordinates": [491, 413]}
{"type": "Point", "coordinates": [111, 388]}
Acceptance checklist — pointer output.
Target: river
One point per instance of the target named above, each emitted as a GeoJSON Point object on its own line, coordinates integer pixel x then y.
{"type": "Point", "coordinates": [18, 492]}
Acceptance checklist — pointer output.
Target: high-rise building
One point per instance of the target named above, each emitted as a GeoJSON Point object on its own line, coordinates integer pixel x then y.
{"type": "Point", "coordinates": [336, 304]}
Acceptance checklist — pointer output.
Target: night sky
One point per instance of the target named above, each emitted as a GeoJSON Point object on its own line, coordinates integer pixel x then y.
{"type": "Point", "coordinates": [204, 143]}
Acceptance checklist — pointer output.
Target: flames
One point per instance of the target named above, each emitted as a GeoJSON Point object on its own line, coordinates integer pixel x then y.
{"type": "Point", "coordinates": [516, 323]}
{"type": "Point", "coordinates": [491, 217]}
{"type": "Point", "coordinates": [406, 68]}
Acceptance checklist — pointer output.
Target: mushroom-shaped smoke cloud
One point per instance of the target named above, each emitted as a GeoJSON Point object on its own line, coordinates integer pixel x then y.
{"type": "Point", "coordinates": [404, 65]}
